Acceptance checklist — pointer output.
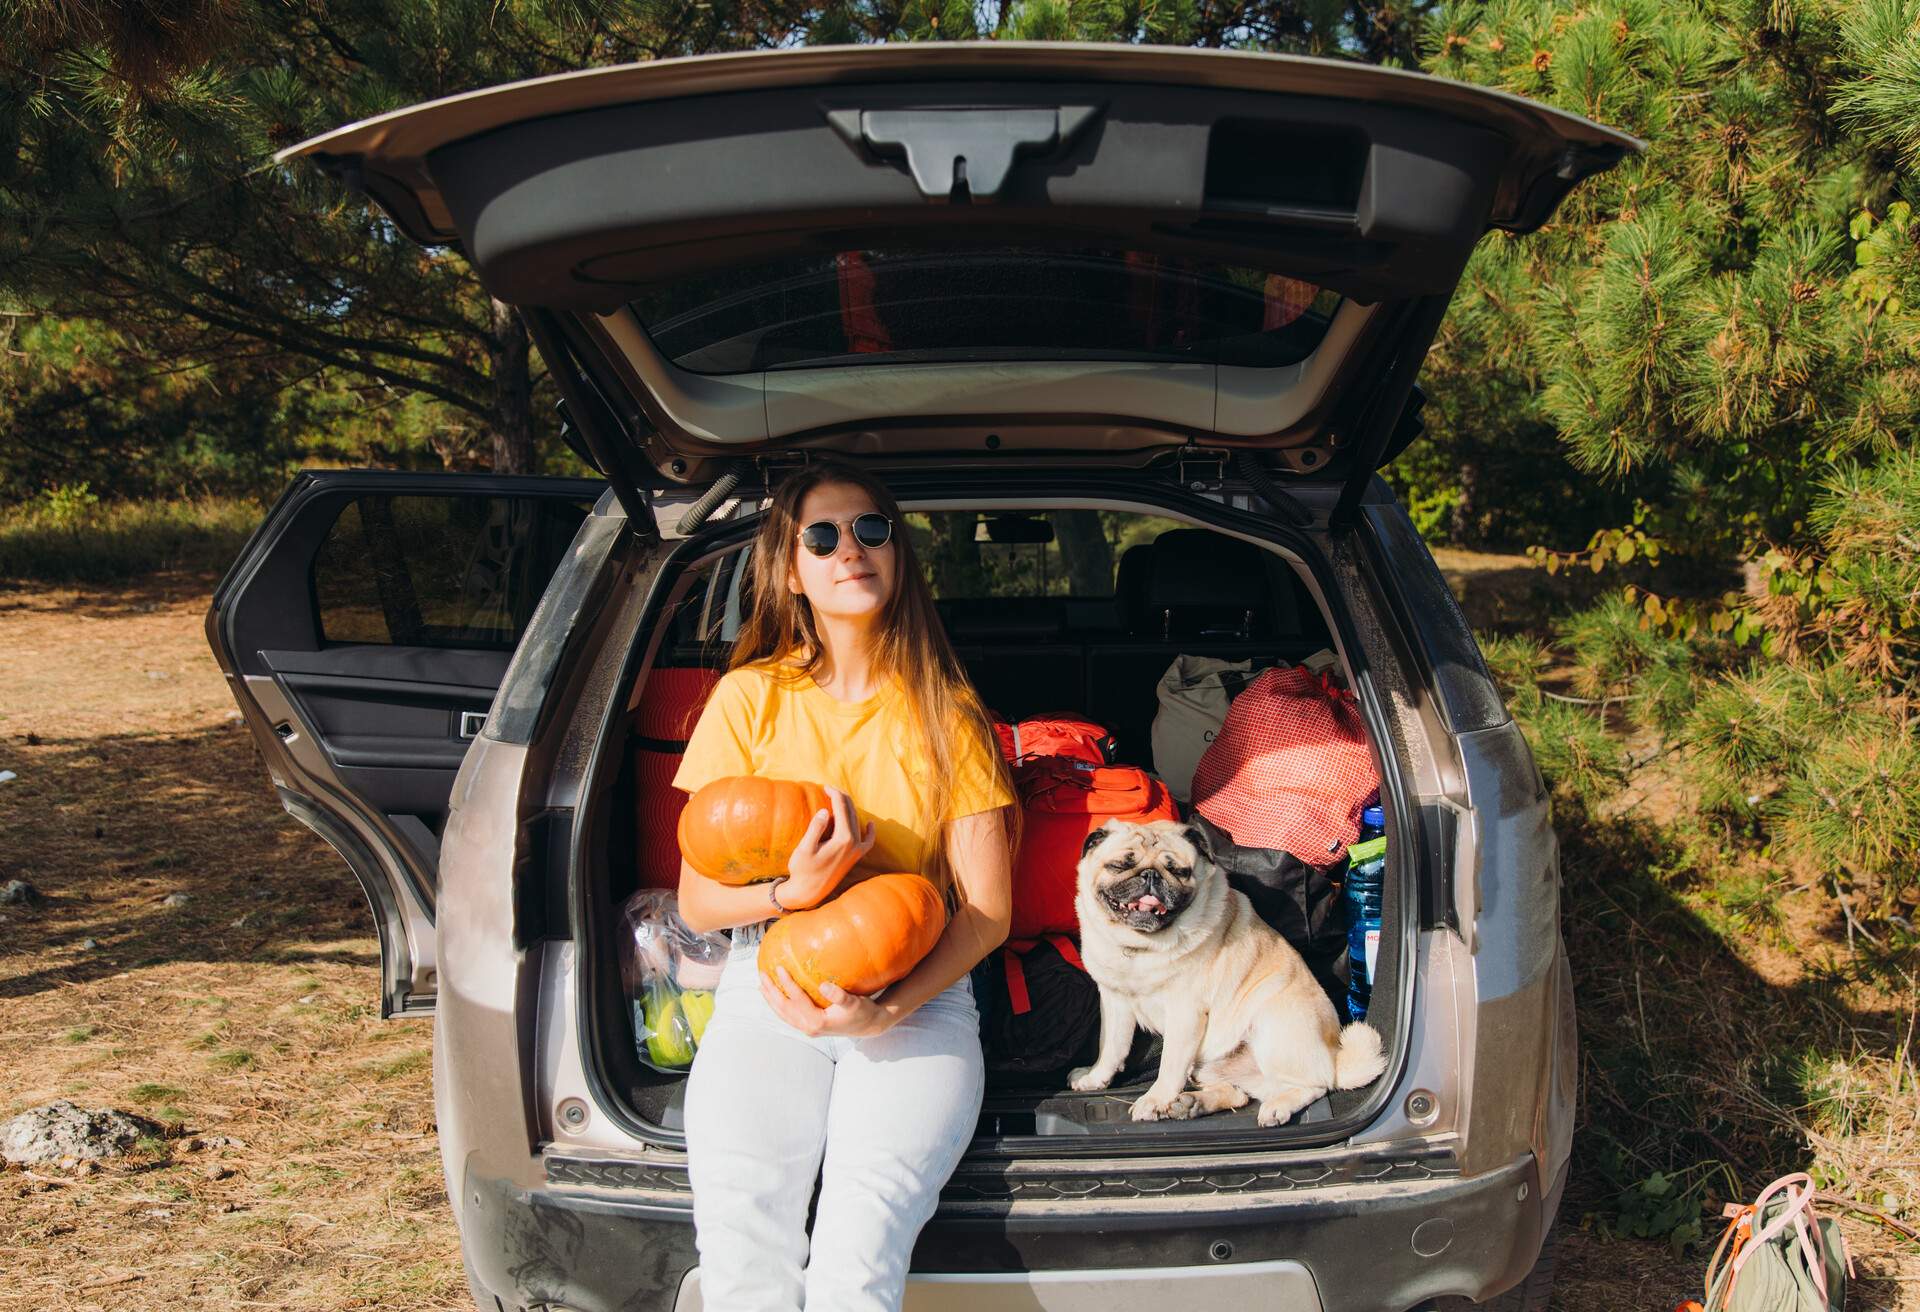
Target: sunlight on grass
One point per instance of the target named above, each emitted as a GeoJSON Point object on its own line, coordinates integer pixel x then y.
{"type": "Point", "coordinates": [76, 541]}
{"type": "Point", "coordinates": [152, 1093]}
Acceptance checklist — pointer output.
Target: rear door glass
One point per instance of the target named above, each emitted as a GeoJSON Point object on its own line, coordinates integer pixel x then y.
{"type": "Point", "coordinates": [1006, 303]}
{"type": "Point", "coordinates": [1053, 553]}
{"type": "Point", "coordinates": [439, 571]}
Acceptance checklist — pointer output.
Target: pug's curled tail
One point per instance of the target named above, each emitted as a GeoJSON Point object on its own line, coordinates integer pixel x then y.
{"type": "Point", "coordinates": [1359, 1059]}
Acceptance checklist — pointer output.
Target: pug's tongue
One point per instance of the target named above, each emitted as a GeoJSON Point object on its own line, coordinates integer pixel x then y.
{"type": "Point", "coordinates": [1148, 902]}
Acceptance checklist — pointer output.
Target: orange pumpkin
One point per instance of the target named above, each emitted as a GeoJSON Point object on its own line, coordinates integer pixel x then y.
{"type": "Point", "coordinates": [863, 938]}
{"type": "Point", "coordinates": [741, 830]}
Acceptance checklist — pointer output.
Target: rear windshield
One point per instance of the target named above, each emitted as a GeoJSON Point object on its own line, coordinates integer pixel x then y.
{"type": "Point", "coordinates": [1006, 303]}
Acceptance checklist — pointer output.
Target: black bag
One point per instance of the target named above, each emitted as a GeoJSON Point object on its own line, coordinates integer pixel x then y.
{"type": "Point", "coordinates": [1301, 901]}
{"type": "Point", "coordinates": [1057, 1029]}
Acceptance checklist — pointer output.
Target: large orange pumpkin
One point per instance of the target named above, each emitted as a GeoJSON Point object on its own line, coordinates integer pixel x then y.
{"type": "Point", "coordinates": [741, 830]}
{"type": "Point", "coordinates": [863, 938]}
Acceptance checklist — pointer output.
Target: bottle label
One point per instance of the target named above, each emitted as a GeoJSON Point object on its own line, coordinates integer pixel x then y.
{"type": "Point", "coordinates": [1373, 953]}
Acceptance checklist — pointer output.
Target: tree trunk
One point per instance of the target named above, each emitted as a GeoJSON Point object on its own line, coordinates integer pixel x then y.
{"type": "Point", "coordinates": [514, 450]}
{"type": "Point", "coordinates": [954, 561]}
{"type": "Point", "coordinates": [1088, 554]}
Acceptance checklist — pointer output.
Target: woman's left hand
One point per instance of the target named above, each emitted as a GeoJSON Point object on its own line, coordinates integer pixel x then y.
{"type": "Point", "coordinates": [846, 1015]}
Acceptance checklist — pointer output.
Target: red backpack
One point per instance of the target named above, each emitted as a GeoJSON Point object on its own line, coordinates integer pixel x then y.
{"type": "Point", "coordinates": [1065, 800]}
{"type": "Point", "coordinates": [1290, 769]}
{"type": "Point", "coordinates": [1056, 734]}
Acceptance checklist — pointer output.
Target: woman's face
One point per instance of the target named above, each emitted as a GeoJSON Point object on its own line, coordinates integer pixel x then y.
{"type": "Point", "coordinates": [852, 583]}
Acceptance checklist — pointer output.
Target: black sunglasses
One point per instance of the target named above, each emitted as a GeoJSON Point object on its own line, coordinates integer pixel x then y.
{"type": "Point", "coordinates": [870, 530]}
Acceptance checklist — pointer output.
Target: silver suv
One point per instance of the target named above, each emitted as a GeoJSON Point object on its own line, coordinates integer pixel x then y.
{"type": "Point", "coordinates": [1129, 332]}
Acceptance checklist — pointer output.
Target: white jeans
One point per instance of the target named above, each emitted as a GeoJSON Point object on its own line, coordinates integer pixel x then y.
{"type": "Point", "coordinates": [881, 1122]}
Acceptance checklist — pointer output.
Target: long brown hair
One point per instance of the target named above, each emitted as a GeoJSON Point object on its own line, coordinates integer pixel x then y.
{"type": "Point", "coordinates": [909, 642]}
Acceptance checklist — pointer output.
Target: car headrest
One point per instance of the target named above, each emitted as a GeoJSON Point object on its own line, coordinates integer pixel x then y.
{"type": "Point", "coordinates": [1130, 581]}
{"type": "Point", "coordinates": [1205, 578]}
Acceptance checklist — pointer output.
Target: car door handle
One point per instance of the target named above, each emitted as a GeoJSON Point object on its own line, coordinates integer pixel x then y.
{"type": "Point", "coordinates": [949, 151]}
{"type": "Point", "coordinates": [471, 723]}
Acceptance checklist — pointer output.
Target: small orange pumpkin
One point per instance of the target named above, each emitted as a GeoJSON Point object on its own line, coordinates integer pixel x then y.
{"type": "Point", "coordinates": [741, 829]}
{"type": "Point", "coordinates": [863, 938]}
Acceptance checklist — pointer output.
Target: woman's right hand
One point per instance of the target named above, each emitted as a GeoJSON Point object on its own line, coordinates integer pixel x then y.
{"type": "Point", "coordinates": [833, 845]}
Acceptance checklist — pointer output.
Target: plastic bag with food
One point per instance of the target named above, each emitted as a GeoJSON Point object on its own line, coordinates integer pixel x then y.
{"type": "Point", "coordinates": [669, 973]}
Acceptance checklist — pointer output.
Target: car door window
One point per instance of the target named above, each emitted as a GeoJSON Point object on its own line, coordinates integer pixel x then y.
{"type": "Point", "coordinates": [439, 571]}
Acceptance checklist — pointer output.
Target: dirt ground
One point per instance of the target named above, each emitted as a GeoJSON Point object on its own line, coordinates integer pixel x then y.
{"type": "Point", "coordinates": [249, 1012]}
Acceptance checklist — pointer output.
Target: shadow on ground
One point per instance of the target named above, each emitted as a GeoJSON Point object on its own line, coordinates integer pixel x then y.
{"type": "Point", "coordinates": [1708, 1072]}
{"type": "Point", "coordinates": [108, 828]}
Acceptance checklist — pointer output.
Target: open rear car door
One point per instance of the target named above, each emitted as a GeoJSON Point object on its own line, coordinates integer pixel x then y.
{"type": "Point", "coordinates": [943, 252]}
{"type": "Point", "coordinates": [364, 631]}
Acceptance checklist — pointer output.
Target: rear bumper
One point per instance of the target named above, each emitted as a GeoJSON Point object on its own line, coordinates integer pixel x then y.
{"type": "Point", "coordinates": [1381, 1247]}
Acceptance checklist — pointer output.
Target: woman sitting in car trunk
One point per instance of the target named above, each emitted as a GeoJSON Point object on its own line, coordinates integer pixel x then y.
{"type": "Point", "coordinates": [841, 676]}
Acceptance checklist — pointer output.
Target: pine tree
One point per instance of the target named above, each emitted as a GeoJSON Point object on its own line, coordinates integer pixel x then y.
{"type": "Point", "coordinates": [1689, 326]}
{"type": "Point", "coordinates": [137, 189]}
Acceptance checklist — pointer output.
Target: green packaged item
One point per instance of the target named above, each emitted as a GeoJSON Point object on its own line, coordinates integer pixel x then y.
{"type": "Point", "coordinates": [670, 973]}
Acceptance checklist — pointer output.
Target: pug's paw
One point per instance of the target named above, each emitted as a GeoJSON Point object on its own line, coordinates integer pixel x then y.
{"type": "Point", "coordinates": [1088, 1079]}
{"type": "Point", "coordinates": [1180, 1107]}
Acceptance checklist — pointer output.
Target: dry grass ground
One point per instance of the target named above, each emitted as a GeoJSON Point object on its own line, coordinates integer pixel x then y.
{"type": "Point", "coordinates": [249, 1012]}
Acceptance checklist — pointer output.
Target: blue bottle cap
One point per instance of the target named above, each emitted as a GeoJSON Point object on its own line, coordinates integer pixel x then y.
{"type": "Point", "coordinates": [1374, 817]}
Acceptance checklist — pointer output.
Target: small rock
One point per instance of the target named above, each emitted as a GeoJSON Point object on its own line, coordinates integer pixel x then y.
{"type": "Point", "coordinates": [85, 1167]}
{"type": "Point", "coordinates": [19, 893]}
{"type": "Point", "coordinates": [307, 1001]}
{"type": "Point", "coordinates": [62, 1132]}
{"type": "Point", "coordinates": [200, 1143]}
{"type": "Point", "coordinates": [219, 1172]}
{"type": "Point", "coordinates": [88, 944]}
{"type": "Point", "coordinates": [156, 674]}
{"type": "Point", "coordinates": [158, 1214]}
{"type": "Point", "coordinates": [240, 923]}
{"type": "Point", "coordinates": [229, 1206]}
{"type": "Point", "coordinates": [176, 899]}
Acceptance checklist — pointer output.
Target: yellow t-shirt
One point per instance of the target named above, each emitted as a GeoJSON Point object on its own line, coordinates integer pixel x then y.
{"type": "Point", "coordinates": [759, 723]}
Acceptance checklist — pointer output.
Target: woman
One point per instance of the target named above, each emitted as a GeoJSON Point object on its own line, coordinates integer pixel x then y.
{"type": "Point", "coordinates": [842, 676]}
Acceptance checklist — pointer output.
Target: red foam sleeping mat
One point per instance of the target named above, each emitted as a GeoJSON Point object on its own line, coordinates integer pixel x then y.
{"type": "Point", "coordinates": [670, 703]}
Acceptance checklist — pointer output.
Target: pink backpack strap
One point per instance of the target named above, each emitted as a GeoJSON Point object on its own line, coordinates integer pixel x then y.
{"type": "Point", "coordinates": [1800, 1214]}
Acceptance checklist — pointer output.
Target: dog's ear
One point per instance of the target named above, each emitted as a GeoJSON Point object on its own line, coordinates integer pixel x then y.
{"type": "Point", "coordinates": [1094, 840]}
{"type": "Point", "coordinates": [1199, 840]}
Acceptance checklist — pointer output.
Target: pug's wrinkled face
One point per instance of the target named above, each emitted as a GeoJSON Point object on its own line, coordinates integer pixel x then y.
{"type": "Point", "coordinates": [1144, 875]}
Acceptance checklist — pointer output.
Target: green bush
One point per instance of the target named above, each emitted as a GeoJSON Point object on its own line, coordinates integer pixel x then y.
{"type": "Point", "coordinates": [1750, 730]}
{"type": "Point", "coordinates": [1852, 809]}
{"type": "Point", "coordinates": [1516, 662]}
{"type": "Point", "coordinates": [70, 536]}
{"type": "Point", "coordinates": [1612, 643]}
{"type": "Point", "coordinates": [1574, 751]}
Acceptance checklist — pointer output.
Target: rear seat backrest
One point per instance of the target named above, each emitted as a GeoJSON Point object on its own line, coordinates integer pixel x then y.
{"type": "Point", "coordinates": [1130, 584]}
{"type": "Point", "coordinates": [1200, 589]}
{"type": "Point", "coordinates": [1205, 584]}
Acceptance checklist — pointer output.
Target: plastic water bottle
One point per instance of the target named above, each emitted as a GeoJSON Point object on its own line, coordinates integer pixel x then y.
{"type": "Point", "coordinates": [1366, 868]}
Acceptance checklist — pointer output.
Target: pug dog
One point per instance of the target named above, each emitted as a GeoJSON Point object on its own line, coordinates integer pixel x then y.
{"type": "Point", "coordinates": [1178, 951]}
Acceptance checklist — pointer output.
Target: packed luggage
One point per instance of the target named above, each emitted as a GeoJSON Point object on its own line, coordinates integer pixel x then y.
{"type": "Point", "coordinates": [1280, 771]}
{"type": "Point", "coordinates": [1291, 768]}
{"type": "Point", "coordinates": [1272, 766]}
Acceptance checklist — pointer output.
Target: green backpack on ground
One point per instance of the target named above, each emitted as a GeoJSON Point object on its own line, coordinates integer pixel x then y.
{"type": "Point", "coordinates": [1779, 1255]}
